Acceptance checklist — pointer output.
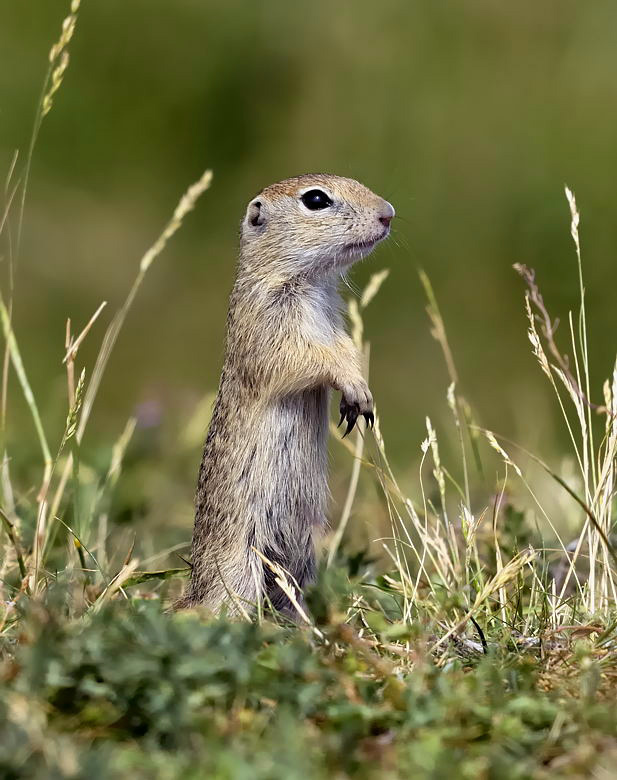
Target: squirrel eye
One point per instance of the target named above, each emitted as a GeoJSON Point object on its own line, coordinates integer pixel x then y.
{"type": "Point", "coordinates": [315, 200]}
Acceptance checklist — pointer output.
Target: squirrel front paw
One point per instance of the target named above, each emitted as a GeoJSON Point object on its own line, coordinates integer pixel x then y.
{"type": "Point", "coordinates": [356, 400]}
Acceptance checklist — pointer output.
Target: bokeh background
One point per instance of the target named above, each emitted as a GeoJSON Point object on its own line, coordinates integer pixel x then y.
{"type": "Point", "coordinates": [468, 116]}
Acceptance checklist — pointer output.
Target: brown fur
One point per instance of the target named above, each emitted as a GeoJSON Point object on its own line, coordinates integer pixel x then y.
{"type": "Point", "coordinates": [263, 477]}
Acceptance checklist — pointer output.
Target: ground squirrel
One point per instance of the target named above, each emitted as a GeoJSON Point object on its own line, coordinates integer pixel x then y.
{"type": "Point", "coordinates": [263, 477]}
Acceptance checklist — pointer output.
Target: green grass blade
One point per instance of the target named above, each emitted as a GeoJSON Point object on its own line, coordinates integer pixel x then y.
{"type": "Point", "coordinates": [23, 380]}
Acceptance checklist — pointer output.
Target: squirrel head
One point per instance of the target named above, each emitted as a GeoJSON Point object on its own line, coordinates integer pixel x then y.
{"type": "Point", "coordinates": [312, 224]}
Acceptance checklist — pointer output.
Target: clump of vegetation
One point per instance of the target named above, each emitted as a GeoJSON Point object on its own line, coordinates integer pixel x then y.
{"type": "Point", "coordinates": [482, 645]}
{"type": "Point", "coordinates": [131, 688]}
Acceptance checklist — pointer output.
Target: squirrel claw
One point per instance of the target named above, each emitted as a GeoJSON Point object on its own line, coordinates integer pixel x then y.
{"type": "Point", "coordinates": [352, 409]}
{"type": "Point", "coordinates": [350, 425]}
{"type": "Point", "coordinates": [350, 413]}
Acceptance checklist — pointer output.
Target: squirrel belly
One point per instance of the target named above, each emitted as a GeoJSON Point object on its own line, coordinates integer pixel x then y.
{"type": "Point", "coordinates": [262, 486]}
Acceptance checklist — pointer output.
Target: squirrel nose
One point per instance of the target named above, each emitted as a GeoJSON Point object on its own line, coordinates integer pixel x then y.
{"type": "Point", "coordinates": [388, 212]}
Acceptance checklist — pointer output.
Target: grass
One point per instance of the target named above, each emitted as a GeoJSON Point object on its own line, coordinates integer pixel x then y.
{"type": "Point", "coordinates": [480, 642]}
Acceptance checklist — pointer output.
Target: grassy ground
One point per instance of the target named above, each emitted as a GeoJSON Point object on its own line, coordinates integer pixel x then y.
{"type": "Point", "coordinates": [482, 643]}
{"type": "Point", "coordinates": [130, 689]}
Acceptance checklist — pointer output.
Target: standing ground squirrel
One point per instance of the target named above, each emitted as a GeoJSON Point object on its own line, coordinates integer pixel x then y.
{"type": "Point", "coordinates": [263, 477]}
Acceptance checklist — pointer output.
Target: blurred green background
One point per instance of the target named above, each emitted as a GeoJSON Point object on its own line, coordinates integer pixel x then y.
{"type": "Point", "coordinates": [468, 116]}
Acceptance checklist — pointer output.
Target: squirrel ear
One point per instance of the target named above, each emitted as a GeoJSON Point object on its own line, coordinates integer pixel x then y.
{"type": "Point", "coordinates": [254, 214]}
